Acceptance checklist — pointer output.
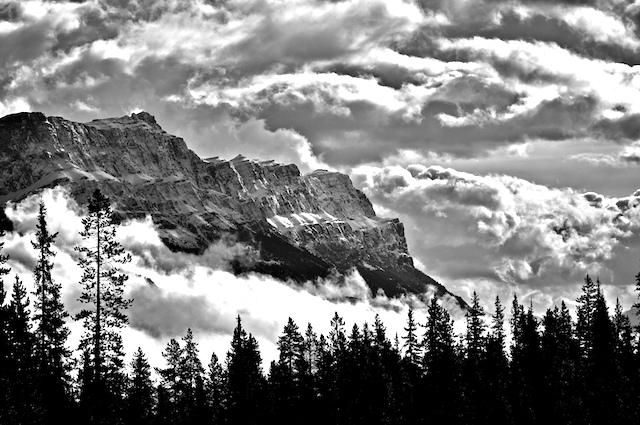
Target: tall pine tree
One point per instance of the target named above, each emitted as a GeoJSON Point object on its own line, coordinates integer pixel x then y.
{"type": "Point", "coordinates": [24, 406]}
{"type": "Point", "coordinates": [51, 332]}
{"type": "Point", "coordinates": [497, 369]}
{"type": "Point", "coordinates": [192, 402]}
{"type": "Point", "coordinates": [103, 290]}
{"type": "Point", "coordinates": [4, 338]}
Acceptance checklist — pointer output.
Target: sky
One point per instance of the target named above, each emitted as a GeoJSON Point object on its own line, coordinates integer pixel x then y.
{"type": "Point", "coordinates": [504, 134]}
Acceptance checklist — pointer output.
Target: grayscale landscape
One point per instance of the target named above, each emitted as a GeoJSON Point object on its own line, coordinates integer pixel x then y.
{"type": "Point", "coordinates": [319, 211]}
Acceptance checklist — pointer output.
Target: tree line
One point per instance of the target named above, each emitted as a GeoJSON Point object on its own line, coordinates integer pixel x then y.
{"type": "Point", "coordinates": [552, 369]}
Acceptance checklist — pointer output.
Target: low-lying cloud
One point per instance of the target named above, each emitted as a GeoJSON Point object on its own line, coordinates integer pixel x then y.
{"type": "Point", "coordinates": [186, 290]}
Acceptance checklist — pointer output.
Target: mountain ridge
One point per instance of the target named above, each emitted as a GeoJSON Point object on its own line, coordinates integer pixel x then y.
{"type": "Point", "coordinates": [303, 225]}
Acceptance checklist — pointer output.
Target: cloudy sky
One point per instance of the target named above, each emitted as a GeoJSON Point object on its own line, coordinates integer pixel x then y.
{"type": "Point", "coordinates": [504, 134]}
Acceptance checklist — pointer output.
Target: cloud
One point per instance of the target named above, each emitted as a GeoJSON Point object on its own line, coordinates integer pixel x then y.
{"type": "Point", "coordinates": [329, 84]}
{"type": "Point", "coordinates": [501, 229]}
{"type": "Point", "coordinates": [140, 238]}
{"type": "Point", "coordinates": [175, 291]}
{"type": "Point", "coordinates": [627, 156]}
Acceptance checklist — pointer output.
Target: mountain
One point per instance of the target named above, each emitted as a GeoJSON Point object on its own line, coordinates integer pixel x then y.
{"type": "Point", "coordinates": [302, 226]}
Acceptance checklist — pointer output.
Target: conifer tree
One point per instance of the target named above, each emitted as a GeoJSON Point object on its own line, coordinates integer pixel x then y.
{"type": "Point", "coordinates": [309, 352]}
{"type": "Point", "coordinates": [411, 346]}
{"type": "Point", "coordinates": [285, 374]}
{"type": "Point", "coordinates": [558, 366]}
{"type": "Point", "coordinates": [585, 312]}
{"type": "Point", "coordinates": [23, 404]}
{"type": "Point", "coordinates": [532, 366]}
{"type": "Point", "coordinates": [442, 385]}
{"type": "Point", "coordinates": [215, 386]}
{"type": "Point", "coordinates": [290, 348]}
{"type": "Point", "coordinates": [380, 340]}
{"type": "Point", "coordinates": [103, 291]}
{"type": "Point", "coordinates": [245, 381]}
{"type": "Point", "coordinates": [496, 369]}
{"type": "Point", "coordinates": [602, 392]}
{"type": "Point", "coordinates": [4, 339]}
{"type": "Point", "coordinates": [192, 402]}
{"type": "Point", "coordinates": [140, 395]}
{"type": "Point", "coordinates": [626, 382]}
{"type": "Point", "coordinates": [337, 336]}
{"type": "Point", "coordinates": [325, 381]}
{"type": "Point", "coordinates": [475, 336]}
{"type": "Point", "coordinates": [353, 380]}
{"type": "Point", "coordinates": [308, 368]}
{"type": "Point", "coordinates": [84, 384]}
{"type": "Point", "coordinates": [170, 387]}
{"type": "Point", "coordinates": [51, 332]}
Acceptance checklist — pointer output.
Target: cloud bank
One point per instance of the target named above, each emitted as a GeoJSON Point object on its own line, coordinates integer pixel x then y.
{"type": "Point", "coordinates": [175, 291]}
{"type": "Point", "coordinates": [506, 231]}
{"type": "Point", "coordinates": [333, 84]}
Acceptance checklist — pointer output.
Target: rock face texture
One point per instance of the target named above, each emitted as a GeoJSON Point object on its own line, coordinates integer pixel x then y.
{"type": "Point", "coordinates": [303, 226]}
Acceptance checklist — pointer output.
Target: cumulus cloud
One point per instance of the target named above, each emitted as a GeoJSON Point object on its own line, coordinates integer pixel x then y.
{"type": "Point", "coordinates": [501, 229]}
{"type": "Point", "coordinates": [315, 82]}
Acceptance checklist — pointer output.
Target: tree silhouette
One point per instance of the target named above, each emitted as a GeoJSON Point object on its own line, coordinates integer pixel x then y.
{"type": "Point", "coordinates": [51, 332]}
{"type": "Point", "coordinates": [4, 339]}
{"type": "Point", "coordinates": [140, 394]}
{"type": "Point", "coordinates": [103, 291]}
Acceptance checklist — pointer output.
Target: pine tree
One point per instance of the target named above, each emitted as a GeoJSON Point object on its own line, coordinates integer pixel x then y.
{"type": "Point", "coordinates": [411, 346]}
{"type": "Point", "coordinates": [626, 380]}
{"type": "Point", "coordinates": [559, 353]}
{"type": "Point", "coordinates": [24, 405]}
{"type": "Point", "coordinates": [290, 348]}
{"type": "Point", "coordinates": [170, 382]}
{"type": "Point", "coordinates": [497, 369]}
{"type": "Point", "coordinates": [140, 395]}
{"type": "Point", "coordinates": [4, 339]}
{"type": "Point", "coordinates": [85, 387]}
{"type": "Point", "coordinates": [103, 290]}
{"type": "Point", "coordinates": [337, 336]}
{"type": "Point", "coordinates": [525, 352]}
{"type": "Point", "coordinates": [353, 380]}
{"type": "Point", "coordinates": [441, 382]}
{"type": "Point", "coordinates": [51, 332]}
{"type": "Point", "coordinates": [475, 336]}
{"type": "Point", "coordinates": [601, 389]}
{"type": "Point", "coordinates": [245, 380]}
{"type": "Point", "coordinates": [325, 382]}
{"type": "Point", "coordinates": [585, 312]}
{"type": "Point", "coordinates": [192, 402]}
{"type": "Point", "coordinates": [215, 386]}
{"type": "Point", "coordinates": [308, 368]}
{"type": "Point", "coordinates": [286, 373]}
{"type": "Point", "coordinates": [528, 376]}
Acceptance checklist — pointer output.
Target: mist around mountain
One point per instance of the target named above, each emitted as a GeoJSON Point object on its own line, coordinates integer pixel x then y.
{"type": "Point", "coordinates": [294, 226]}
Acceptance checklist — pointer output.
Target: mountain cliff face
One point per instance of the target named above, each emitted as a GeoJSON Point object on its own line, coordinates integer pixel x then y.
{"type": "Point", "coordinates": [303, 226]}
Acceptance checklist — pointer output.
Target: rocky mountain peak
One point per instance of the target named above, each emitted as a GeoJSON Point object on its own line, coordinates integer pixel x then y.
{"type": "Point", "coordinates": [303, 226]}
{"type": "Point", "coordinates": [146, 117]}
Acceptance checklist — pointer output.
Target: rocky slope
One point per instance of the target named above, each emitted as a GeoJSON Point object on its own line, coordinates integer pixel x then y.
{"type": "Point", "coordinates": [302, 225]}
